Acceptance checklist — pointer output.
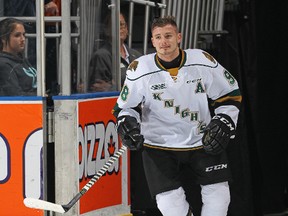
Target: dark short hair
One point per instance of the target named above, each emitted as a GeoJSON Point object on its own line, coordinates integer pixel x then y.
{"type": "Point", "coordinates": [7, 26]}
{"type": "Point", "coordinates": [163, 21]}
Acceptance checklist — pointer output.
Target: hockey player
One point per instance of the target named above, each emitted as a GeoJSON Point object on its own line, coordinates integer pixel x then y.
{"type": "Point", "coordinates": [163, 110]}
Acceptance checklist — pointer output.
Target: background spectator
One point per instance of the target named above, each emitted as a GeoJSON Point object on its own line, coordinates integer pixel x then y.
{"type": "Point", "coordinates": [17, 75]}
{"type": "Point", "coordinates": [27, 8]}
{"type": "Point", "coordinates": [100, 68]}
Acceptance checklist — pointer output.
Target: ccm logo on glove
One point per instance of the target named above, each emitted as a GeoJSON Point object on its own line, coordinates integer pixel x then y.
{"type": "Point", "coordinates": [218, 133]}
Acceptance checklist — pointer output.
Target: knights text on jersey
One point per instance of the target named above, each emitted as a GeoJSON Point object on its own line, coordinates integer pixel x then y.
{"type": "Point", "coordinates": [174, 105]}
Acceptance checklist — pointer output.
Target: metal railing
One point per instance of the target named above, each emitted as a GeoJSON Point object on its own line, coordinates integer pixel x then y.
{"type": "Point", "coordinates": [194, 18]}
{"type": "Point", "coordinates": [148, 5]}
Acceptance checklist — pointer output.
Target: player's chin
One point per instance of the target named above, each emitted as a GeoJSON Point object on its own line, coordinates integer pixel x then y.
{"type": "Point", "coordinates": [165, 52]}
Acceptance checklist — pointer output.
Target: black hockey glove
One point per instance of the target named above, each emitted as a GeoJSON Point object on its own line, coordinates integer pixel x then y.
{"type": "Point", "coordinates": [129, 131]}
{"type": "Point", "coordinates": [218, 133]}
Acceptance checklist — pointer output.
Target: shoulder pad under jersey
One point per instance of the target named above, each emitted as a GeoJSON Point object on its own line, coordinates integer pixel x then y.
{"type": "Point", "coordinates": [200, 57]}
{"type": "Point", "coordinates": [142, 67]}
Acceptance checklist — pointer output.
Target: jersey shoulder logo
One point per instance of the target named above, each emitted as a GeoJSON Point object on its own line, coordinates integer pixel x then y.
{"type": "Point", "coordinates": [210, 57]}
{"type": "Point", "coordinates": [133, 66]}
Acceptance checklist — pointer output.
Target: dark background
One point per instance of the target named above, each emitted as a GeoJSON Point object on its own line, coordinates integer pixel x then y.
{"type": "Point", "coordinates": [254, 51]}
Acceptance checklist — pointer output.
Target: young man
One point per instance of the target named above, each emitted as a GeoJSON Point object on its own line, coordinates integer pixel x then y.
{"type": "Point", "coordinates": [164, 110]}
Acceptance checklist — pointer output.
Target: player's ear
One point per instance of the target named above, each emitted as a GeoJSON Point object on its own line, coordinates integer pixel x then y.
{"type": "Point", "coordinates": [179, 37]}
{"type": "Point", "coordinates": [152, 40]}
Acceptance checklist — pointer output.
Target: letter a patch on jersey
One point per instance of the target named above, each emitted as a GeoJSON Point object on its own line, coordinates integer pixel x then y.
{"type": "Point", "coordinates": [199, 87]}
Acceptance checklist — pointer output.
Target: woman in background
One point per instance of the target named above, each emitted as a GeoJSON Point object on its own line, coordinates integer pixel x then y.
{"type": "Point", "coordinates": [17, 76]}
{"type": "Point", "coordinates": [100, 68]}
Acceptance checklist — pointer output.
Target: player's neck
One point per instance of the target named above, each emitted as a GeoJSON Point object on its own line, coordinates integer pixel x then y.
{"type": "Point", "coordinates": [174, 63]}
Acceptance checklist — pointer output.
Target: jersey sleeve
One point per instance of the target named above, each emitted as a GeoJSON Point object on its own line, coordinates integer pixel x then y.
{"type": "Point", "coordinates": [222, 89]}
{"type": "Point", "coordinates": [132, 95]}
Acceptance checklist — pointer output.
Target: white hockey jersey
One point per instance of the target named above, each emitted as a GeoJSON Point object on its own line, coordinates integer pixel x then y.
{"type": "Point", "coordinates": [175, 108]}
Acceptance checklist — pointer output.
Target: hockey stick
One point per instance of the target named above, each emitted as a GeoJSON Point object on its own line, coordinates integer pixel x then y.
{"type": "Point", "coordinates": [45, 205]}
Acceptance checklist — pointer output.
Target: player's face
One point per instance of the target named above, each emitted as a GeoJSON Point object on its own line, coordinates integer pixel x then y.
{"type": "Point", "coordinates": [16, 43]}
{"type": "Point", "coordinates": [166, 40]}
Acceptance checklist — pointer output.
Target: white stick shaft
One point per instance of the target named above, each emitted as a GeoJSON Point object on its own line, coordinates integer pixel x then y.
{"type": "Point", "coordinates": [44, 205]}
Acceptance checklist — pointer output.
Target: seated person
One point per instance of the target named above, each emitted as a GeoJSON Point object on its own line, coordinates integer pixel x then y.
{"type": "Point", "coordinates": [17, 76]}
{"type": "Point", "coordinates": [100, 68]}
